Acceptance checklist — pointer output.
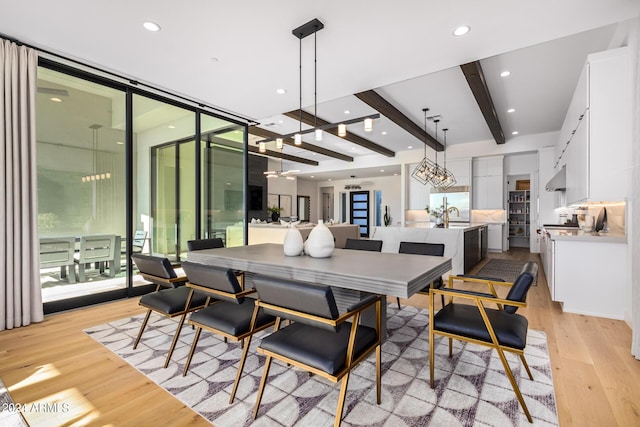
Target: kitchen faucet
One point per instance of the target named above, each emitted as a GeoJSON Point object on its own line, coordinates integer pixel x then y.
{"type": "Point", "coordinates": [446, 215]}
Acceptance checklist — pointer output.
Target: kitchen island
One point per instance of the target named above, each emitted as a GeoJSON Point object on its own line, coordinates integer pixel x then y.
{"type": "Point", "coordinates": [464, 243]}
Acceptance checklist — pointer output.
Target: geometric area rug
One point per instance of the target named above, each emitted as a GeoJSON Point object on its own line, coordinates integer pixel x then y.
{"type": "Point", "coordinates": [471, 388]}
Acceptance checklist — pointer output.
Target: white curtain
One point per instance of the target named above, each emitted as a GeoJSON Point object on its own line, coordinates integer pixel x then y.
{"type": "Point", "coordinates": [634, 199]}
{"type": "Point", "coordinates": [20, 294]}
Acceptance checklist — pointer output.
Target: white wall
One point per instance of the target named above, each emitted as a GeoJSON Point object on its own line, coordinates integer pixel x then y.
{"type": "Point", "coordinates": [309, 188]}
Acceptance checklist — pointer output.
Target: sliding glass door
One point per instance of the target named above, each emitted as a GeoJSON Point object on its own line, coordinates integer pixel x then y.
{"type": "Point", "coordinates": [121, 171]}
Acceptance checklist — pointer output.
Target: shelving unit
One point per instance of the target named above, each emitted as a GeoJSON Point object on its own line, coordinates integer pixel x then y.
{"type": "Point", "coordinates": [519, 218]}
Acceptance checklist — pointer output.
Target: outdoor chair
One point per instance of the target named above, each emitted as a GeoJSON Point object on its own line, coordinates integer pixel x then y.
{"type": "Point", "coordinates": [423, 248]}
{"type": "Point", "coordinates": [98, 250]}
{"type": "Point", "coordinates": [229, 315]}
{"type": "Point", "coordinates": [499, 328]}
{"type": "Point", "coordinates": [175, 300]}
{"type": "Point", "coordinates": [59, 252]}
{"type": "Point", "coordinates": [319, 339]}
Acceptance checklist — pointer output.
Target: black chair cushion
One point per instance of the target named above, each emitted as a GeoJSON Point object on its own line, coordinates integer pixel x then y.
{"type": "Point", "coordinates": [520, 287]}
{"type": "Point", "coordinates": [466, 320]}
{"type": "Point", "coordinates": [319, 348]}
{"type": "Point", "coordinates": [197, 245]}
{"type": "Point", "coordinates": [306, 298]}
{"type": "Point", "coordinates": [154, 265]}
{"type": "Point", "coordinates": [232, 319]}
{"type": "Point", "coordinates": [171, 301]}
{"type": "Point", "coordinates": [364, 245]}
{"type": "Point", "coordinates": [217, 278]}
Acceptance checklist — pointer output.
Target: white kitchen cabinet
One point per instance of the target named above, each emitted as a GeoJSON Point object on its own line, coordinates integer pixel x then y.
{"type": "Point", "coordinates": [597, 155]}
{"type": "Point", "coordinates": [488, 183]}
{"type": "Point", "coordinates": [589, 278]}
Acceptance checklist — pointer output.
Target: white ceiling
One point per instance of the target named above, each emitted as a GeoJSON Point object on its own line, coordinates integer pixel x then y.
{"type": "Point", "coordinates": [404, 50]}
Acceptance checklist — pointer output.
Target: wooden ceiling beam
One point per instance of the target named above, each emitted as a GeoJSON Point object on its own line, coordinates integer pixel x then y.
{"type": "Point", "coordinates": [475, 78]}
{"type": "Point", "coordinates": [265, 133]}
{"type": "Point", "coordinates": [384, 107]}
{"type": "Point", "coordinates": [310, 120]}
{"type": "Point", "coordinates": [284, 156]}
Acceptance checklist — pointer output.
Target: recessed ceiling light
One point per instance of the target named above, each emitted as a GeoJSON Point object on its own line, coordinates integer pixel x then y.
{"type": "Point", "coordinates": [227, 183]}
{"type": "Point", "coordinates": [515, 132]}
{"type": "Point", "coordinates": [505, 73]}
{"type": "Point", "coordinates": [312, 176]}
{"type": "Point", "coordinates": [395, 174]}
{"type": "Point", "coordinates": [281, 91]}
{"type": "Point", "coordinates": [329, 179]}
{"type": "Point", "coordinates": [119, 142]}
{"type": "Point", "coordinates": [384, 132]}
{"type": "Point", "coordinates": [151, 26]}
{"type": "Point", "coordinates": [347, 112]}
{"type": "Point", "coordinates": [314, 154]}
{"type": "Point", "coordinates": [381, 170]}
{"type": "Point", "coordinates": [511, 110]}
{"type": "Point", "coordinates": [171, 127]}
{"type": "Point", "coordinates": [54, 99]}
{"type": "Point", "coordinates": [280, 121]}
{"type": "Point", "coordinates": [410, 147]}
{"type": "Point", "coordinates": [461, 30]}
{"type": "Point", "coordinates": [353, 148]}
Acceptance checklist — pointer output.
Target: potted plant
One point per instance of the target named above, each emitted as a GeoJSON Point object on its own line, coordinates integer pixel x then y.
{"type": "Point", "coordinates": [275, 212]}
{"type": "Point", "coordinates": [437, 213]}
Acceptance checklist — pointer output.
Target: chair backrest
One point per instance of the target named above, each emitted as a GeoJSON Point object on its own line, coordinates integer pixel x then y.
{"type": "Point", "coordinates": [138, 241]}
{"type": "Point", "coordinates": [154, 266]}
{"type": "Point", "coordinates": [57, 251]}
{"type": "Point", "coordinates": [520, 287]}
{"type": "Point", "coordinates": [364, 245]}
{"type": "Point", "coordinates": [197, 245]}
{"type": "Point", "coordinates": [97, 248]}
{"type": "Point", "coordinates": [217, 278]}
{"type": "Point", "coordinates": [299, 296]}
{"type": "Point", "coordinates": [422, 248]}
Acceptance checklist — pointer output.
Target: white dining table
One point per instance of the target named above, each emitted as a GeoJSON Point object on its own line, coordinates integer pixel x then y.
{"type": "Point", "coordinates": [351, 274]}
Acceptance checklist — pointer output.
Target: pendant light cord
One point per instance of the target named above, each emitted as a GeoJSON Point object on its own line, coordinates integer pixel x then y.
{"type": "Point", "coordinates": [315, 79]}
{"type": "Point", "coordinates": [300, 88]}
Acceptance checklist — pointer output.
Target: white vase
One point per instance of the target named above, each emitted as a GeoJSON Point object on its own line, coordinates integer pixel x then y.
{"type": "Point", "coordinates": [293, 242]}
{"type": "Point", "coordinates": [320, 243]}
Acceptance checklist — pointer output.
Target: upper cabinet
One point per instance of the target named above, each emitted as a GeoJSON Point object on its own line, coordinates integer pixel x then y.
{"type": "Point", "coordinates": [595, 137]}
{"type": "Point", "coordinates": [487, 184]}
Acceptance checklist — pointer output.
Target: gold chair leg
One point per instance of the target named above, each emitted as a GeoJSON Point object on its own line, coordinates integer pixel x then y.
{"type": "Point", "coordinates": [144, 325]}
{"type": "Point", "coordinates": [263, 381]}
{"type": "Point", "coordinates": [526, 366]}
{"type": "Point", "coordinates": [245, 351]}
{"type": "Point", "coordinates": [175, 339]}
{"type": "Point", "coordinates": [378, 375]}
{"type": "Point", "coordinates": [431, 341]}
{"type": "Point", "coordinates": [193, 349]}
{"type": "Point", "coordinates": [514, 385]}
{"type": "Point", "coordinates": [341, 399]}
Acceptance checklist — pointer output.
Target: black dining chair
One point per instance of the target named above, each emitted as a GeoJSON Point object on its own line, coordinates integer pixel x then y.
{"type": "Point", "coordinates": [363, 245]}
{"type": "Point", "coordinates": [319, 339]}
{"type": "Point", "coordinates": [171, 302]}
{"type": "Point", "coordinates": [500, 328]}
{"type": "Point", "coordinates": [200, 244]}
{"type": "Point", "coordinates": [424, 248]}
{"type": "Point", "coordinates": [229, 314]}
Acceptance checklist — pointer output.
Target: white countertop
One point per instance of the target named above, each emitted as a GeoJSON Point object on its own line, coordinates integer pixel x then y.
{"type": "Point", "coordinates": [582, 236]}
{"type": "Point", "coordinates": [465, 226]}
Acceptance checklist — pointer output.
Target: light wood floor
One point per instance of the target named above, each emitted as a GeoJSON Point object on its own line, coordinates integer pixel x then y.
{"type": "Point", "coordinates": [597, 381]}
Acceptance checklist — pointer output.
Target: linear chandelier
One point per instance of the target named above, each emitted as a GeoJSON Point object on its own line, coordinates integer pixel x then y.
{"type": "Point", "coordinates": [96, 176]}
{"type": "Point", "coordinates": [312, 27]}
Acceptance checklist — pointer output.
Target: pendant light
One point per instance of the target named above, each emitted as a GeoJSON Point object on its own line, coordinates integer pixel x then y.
{"type": "Point", "coordinates": [426, 169]}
